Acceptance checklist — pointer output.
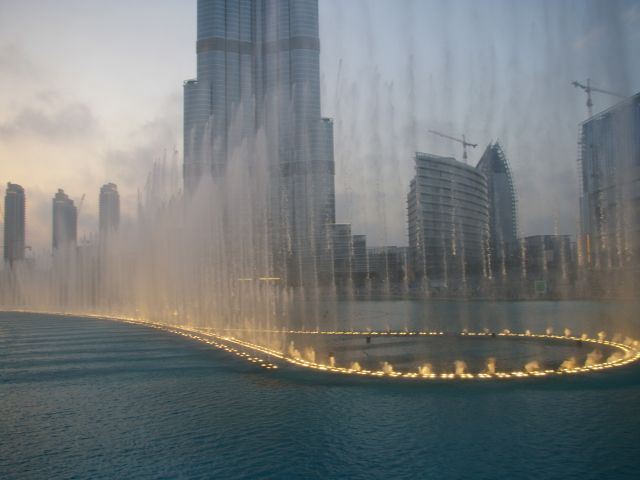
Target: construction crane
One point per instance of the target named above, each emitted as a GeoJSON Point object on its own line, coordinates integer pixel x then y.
{"type": "Point", "coordinates": [462, 140]}
{"type": "Point", "coordinates": [588, 88]}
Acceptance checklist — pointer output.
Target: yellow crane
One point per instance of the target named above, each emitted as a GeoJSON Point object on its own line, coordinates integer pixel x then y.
{"type": "Point", "coordinates": [462, 140]}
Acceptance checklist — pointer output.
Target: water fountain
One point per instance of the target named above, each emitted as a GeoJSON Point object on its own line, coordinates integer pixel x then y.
{"type": "Point", "coordinates": [215, 264]}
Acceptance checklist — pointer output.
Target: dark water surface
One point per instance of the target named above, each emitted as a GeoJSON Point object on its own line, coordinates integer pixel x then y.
{"type": "Point", "coordinates": [88, 398]}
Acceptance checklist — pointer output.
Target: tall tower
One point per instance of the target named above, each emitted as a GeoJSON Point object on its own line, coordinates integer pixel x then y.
{"type": "Point", "coordinates": [109, 209]}
{"type": "Point", "coordinates": [14, 223]}
{"type": "Point", "coordinates": [65, 221]}
{"type": "Point", "coordinates": [258, 69]}
{"type": "Point", "coordinates": [503, 218]}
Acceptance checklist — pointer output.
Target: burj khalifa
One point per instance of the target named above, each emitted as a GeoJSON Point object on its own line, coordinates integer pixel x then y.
{"type": "Point", "coordinates": [258, 68]}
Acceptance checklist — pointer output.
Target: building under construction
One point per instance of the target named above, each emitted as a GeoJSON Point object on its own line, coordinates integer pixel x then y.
{"type": "Point", "coordinates": [610, 197]}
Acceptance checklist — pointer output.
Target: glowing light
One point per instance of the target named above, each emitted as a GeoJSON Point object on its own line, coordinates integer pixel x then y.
{"type": "Point", "coordinates": [624, 354]}
{"type": "Point", "coordinates": [460, 367]}
{"type": "Point", "coordinates": [491, 365]}
{"type": "Point", "coordinates": [532, 366]}
{"type": "Point", "coordinates": [387, 368]}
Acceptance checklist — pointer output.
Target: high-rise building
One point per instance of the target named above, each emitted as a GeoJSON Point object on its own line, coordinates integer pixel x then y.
{"type": "Point", "coordinates": [610, 180]}
{"type": "Point", "coordinates": [258, 69]}
{"type": "Point", "coordinates": [65, 221]}
{"type": "Point", "coordinates": [548, 255]}
{"type": "Point", "coordinates": [360, 260]}
{"type": "Point", "coordinates": [387, 266]}
{"type": "Point", "coordinates": [342, 252]}
{"type": "Point", "coordinates": [448, 210]}
{"type": "Point", "coordinates": [503, 223]}
{"type": "Point", "coordinates": [14, 223]}
{"type": "Point", "coordinates": [109, 209]}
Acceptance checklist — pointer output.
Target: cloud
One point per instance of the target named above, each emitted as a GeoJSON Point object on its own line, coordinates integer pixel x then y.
{"type": "Point", "coordinates": [632, 15]}
{"type": "Point", "coordinates": [63, 121]}
{"type": "Point", "coordinates": [38, 108]}
{"type": "Point", "coordinates": [150, 142]}
{"type": "Point", "coordinates": [14, 62]}
{"type": "Point", "coordinates": [592, 37]}
{"type": "Point", "coordinates": [145, 144]}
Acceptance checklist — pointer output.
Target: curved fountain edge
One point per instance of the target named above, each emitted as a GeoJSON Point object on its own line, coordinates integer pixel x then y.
{"type": "Point", "coordinates": [239, 347]}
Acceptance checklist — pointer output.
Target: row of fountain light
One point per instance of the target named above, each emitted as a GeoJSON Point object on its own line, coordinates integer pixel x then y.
{"type": "Point", "coordinates": [627, 351]}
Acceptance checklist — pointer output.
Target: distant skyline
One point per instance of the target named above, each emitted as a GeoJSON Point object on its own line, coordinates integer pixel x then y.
{"type": "Point", "coordinates": [96, 96]}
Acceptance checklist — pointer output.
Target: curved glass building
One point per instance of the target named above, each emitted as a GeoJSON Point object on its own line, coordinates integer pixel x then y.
{"type": "Point", "coordinates": [503, 217]}
{"type": "Point", "coordinates": [448, 212]}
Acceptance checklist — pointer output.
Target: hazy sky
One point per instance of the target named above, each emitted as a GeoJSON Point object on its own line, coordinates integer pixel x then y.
{"type": "Point", "coordinates": [92, 93]}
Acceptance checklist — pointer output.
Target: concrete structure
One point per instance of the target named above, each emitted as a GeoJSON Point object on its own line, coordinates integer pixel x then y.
{"type": "Point", "coordinates": [503, 217]}
{"type": "Point", "coordinates": [448, 210]}
{"type": "Point", "coordinates": [610, 181]}
{"type": "Point", "coordinates": [14, 223]}
{"type": "Point", "coordinates": [65, 221]}
{"type": "Point", "coordinates": [109, 209]}
{"type": "Point", "coordinates": [258, 69]}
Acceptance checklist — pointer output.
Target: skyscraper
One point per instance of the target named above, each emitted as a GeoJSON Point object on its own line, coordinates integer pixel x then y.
{"type": "Point", "coordinates": [610, 200]}
{"type": "Point", "coordinates": [109, 209]}
{"type": "Point", "coordinates": [342, 249]}
{"type": "Point", "coordinates": [65, 221]}
{"type": "Point", "coordinates": [258, 69]}
{"type": "Point", "coordinates": [503, 224]}
{"type": "Point", "coordinates": [360, 260]}
{"type": "Point", "coordinates": [14, 223]}
{"type": "Point", "coordinates": [448, 211]}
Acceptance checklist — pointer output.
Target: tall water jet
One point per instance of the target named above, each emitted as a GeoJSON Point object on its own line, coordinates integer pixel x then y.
{"type": "Point", "coordinates": [460, 367]}
{"type": "Point", "coordinates": [293, 351]}
{"type": "Point", "coordinates": [309, 354]}
{"type": "Point", "coordinates": [491, 365]}
{"type": "Point", "coordinates": [567, 332]}
{"type": "Point", "coordinates": [615, 357]}
{"type": "Point", "coordinates": [425, 369]}
{"type": "Point", "coordinates": [355, 366]}
{"type": "Point", "coordinates": [602, 336]}
{"type": "Point", "coordinates": [569, 364]}
{"type": "Point", "coordinates": [532, 366]}
{"type": "Point", "coordinates": [593, 358]}
{"type": "Point", "coordinates": [387, 368]}
{"type": "Point", "coordinates": [332, 361]}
